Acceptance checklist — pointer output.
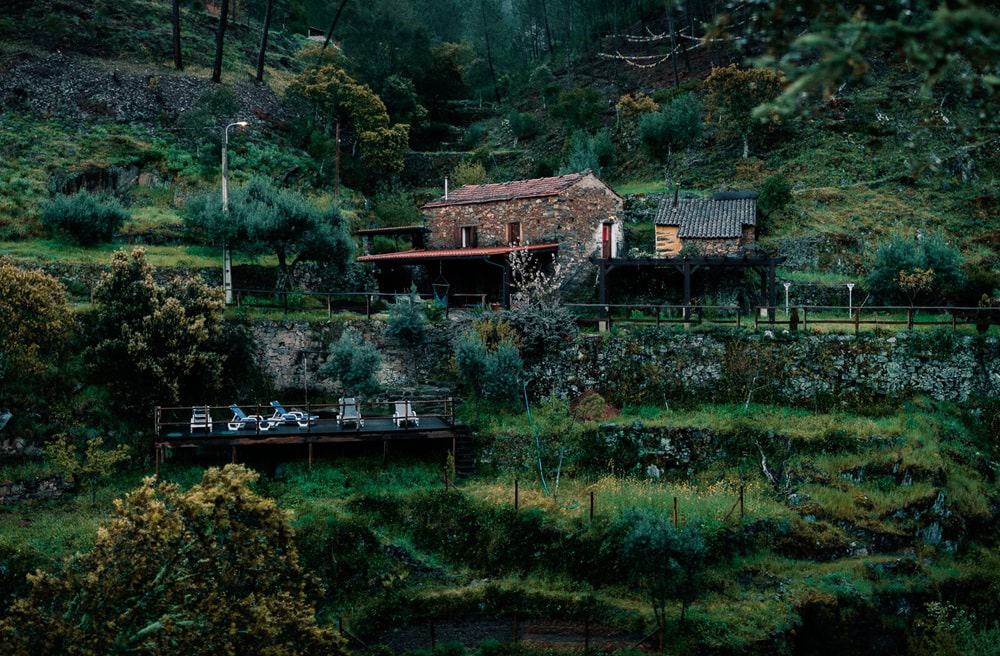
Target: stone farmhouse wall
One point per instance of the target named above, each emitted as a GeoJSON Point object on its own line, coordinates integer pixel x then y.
{"type": "Point", "coordinates": [668, 243]}
{"type": "Point", "coordinates": [573, 219]}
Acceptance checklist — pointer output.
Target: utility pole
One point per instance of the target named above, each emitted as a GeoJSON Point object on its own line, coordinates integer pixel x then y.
{"type": "Point", "coordinates": [227, 256]}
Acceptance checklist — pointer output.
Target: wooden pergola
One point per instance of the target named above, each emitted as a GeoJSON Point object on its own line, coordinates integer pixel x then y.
{"type": "Point", "coordinates": [687, 265]}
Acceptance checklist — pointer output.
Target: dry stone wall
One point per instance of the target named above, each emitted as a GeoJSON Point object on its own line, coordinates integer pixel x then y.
{"type": "Point", "coordinates": [654, 366]}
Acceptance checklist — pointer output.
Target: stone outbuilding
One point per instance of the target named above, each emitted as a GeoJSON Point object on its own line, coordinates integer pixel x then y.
{"type": "Point", "coordinates": [724, 224]}
{"type": "Point", "coordinates": [470, 232]}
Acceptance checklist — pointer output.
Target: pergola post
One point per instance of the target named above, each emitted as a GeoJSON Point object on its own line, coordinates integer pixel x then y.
{"type": "Point", "coordinates": [687, 289]}
{"type": "Point", "coordinates": [772, 290]}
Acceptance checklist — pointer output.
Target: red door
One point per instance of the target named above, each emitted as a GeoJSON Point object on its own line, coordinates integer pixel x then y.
{"type": "Point", "coordinates": [606, 241]}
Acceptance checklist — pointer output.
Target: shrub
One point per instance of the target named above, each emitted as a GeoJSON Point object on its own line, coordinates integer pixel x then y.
{"type": "Point", "coordinates": [578, 108]}
{"type": "Point", "coordinates": [495, 375]}
{"type": "Point", "coordinates": [468, 172]}
{"type": "Point", "coordinates": [775, 194]}
{"type": "Point", "coordinates": [677, 125]}
{"type": "Point", "coordinates": [354, 362]}
{"type": "Point", "coordinates": [590, 153]}
{"type": "Point", "coordinates": [474, 136]}
{"type": "Point", "coordinates": [901, 255]}
{"type": "Point", "coordinates": [84, 217]}
{"type": "Point", "coordinates": [395, 208]}
{"type": "Point", "coordinates": [407, 322]}
{"type": "Point", "coordinates": [523, 125]}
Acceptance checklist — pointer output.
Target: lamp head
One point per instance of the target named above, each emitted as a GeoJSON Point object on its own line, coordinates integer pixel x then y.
{"type": "Point", "coordinates": [242, 124]}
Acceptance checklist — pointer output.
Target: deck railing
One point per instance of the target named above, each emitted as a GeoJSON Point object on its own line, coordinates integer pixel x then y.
{"type": "Point", "coordinates": [366, 303]}
{"type": "Point", "coordinates": [212, 419]}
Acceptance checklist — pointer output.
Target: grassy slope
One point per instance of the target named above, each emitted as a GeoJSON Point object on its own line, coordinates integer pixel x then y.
{"type": "Point", "coordinates": [748, 600]}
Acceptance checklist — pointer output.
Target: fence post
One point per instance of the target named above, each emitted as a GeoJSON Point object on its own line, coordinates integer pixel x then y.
{"type": "Point", "coordinates": [738, 318]}
{"type": "Point", "coordinates": [238, 294]}
{"type": "Point", "coordinates": [805, 318]}
{"type": "Point", "coordinates": [857, 321]}
{"type": "Point", "coordinates": [514, 630]}
{"type": "Point", "coordinates": [310, 455]}
{"type": "Point", "coordinates": [657, 316]}
{"type": "Point", "coordinates": [329, 305]}
{"type": "Point", "coordinates": [433, 635]}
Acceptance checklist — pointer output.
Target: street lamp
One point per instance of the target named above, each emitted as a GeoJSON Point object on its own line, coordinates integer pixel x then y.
{"type": "Point", "coordinates": [850, 300]}
{"type": "Point", "coordinates": [787, 285]}
{"type": "Point", "coordinates": [227, 257]}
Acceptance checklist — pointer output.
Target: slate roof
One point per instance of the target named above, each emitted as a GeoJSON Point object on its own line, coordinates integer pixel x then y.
{"type": "Point", "coordinates": [444, 253]}
{"type": "Point", "coordinates": [720, 217]}
{"type": "Point", "coordinates": [489, 193]}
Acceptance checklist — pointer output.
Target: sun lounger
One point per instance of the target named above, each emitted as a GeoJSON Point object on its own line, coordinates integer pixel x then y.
{"type": "Point", "coordinates": [243, 421]}
{"type": "Point", "coordinates": [293, 416]}
{"type": "Point", "coordinates": [350, 414]}
{"type": "Point", "coordinates": [201, 419]}
{"type": "Point", "coordinates": [404, 415]}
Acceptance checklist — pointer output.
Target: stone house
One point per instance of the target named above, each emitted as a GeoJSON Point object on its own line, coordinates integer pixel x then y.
{"type": "Point", "coordinates": [724, 224]}
{"type": "Point", "coordinates": [578, 212]}
{"type": "Point", "coordinates": [470, 232]}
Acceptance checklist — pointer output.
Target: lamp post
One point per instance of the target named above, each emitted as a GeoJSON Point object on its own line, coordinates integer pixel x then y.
{"type": "Point", "coordinates": [850, 300]}
{"type": "Point", "coordinates": [227, 256]}
{"type": "Point", "coordinates": [787, 285]}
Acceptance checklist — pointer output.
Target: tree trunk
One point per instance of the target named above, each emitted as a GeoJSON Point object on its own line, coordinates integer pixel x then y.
{"type": "Point", "coordinates": [548, 31]}
{"type": "Point", "coordinates": [489, 52]}
{"type": "Point", "coordinates": [93, 493]}
{"type": "Point", "coordinates": [220, 38]}
{"type": "Point", "coordinates": [673, 43]}
{"type": "Point", "coordinates": [746, 145]}
{"type": "Point", "coordinates": [263, 41]}
{"type": "Point", "coordinates": [336, 19]}
{"type": "Point", "coordinates": [176, 20]}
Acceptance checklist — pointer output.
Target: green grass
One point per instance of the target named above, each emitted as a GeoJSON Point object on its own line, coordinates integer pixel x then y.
{"type": "Point", "coordinates": [42, 251]}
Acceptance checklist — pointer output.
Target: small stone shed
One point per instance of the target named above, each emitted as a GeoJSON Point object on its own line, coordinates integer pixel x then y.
{"type": "Point", "coordinates": [724, 224]}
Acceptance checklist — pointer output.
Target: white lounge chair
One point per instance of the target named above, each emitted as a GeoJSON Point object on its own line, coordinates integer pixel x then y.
{"type": "Point", "coordinates": [293, 416]}
{"type": "Point", "coordinates": [350, 414]}
{"type": "Point", "coordinates": [242, 420]}
{"type": "Point", "coordinates": [404, 415]}
{"type": "Point", "coordinates": [201, 419]}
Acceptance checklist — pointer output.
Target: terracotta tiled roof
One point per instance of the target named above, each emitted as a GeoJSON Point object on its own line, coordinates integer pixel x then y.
{"type": "Point", "coordinates": [444, 253]}
{"type": "Point", "coordinates": [488, 193]}
{"type": "Point", "coordinates": [720, 217]}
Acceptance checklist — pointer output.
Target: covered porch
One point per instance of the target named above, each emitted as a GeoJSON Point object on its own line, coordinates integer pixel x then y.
{"type": "Point", "coordinates": [457, 274]}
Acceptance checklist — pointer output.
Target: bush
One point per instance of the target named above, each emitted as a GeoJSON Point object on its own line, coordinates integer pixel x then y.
{"type": "Point", "coordinates": [395, 208]}
{"type": "Point", "coordinates": [354, 362]}
{"type": "Point", "coordinates": [677, 125]}
{"type": "Point", "coordinates": [775, 194]}
{"type": "Point", "coordinates": [407, 322]}
{"type": "Point", "coordinates": [468, 172]}
{"type": "Point", "coordinates": [898, 260]}
{"type": "Point", "coordinates": [590, 153]}
{"type": "Point", "coordinates": [578, 108]}
{"type": "Point", "coordinates": [84, 217]}
{"type": "Point", "coordinates": [474, 136]}
{"type": "Point", "coordinates": [523, 125]}
{"type": "Point", "coordinates": [495, 375]}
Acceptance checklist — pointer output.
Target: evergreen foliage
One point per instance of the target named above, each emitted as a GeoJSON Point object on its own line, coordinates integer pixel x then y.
{"type": "Point", "coordinates": [407, 322]}
{"type": "Point", "coordinates": [355, 363]}
{"type": "Point", "coordinates": [677, 125]}
{"type": "Point", "coordinates": [732, 95]}
{"type": "Point", "coordinates": [155, 344]}
{"type": "Point", "coordinates": [903, 268]}
{"type": "Point", "coordinates": [774, 195]}
{"type": "Point", "coordinates": [84, 217]}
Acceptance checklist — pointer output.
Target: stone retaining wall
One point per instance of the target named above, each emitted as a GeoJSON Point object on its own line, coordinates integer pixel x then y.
{"type": "Point", "coordinates": [48, 487]}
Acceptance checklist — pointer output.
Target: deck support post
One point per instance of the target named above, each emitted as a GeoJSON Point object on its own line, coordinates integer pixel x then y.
{"type": "Point", "coordinates": [385, 452]}
{"type": "Point", "coordinates": [310, 455]}
{"type": "Point", "coordinates": [234, 454]}
{"type": "Point", "coordinates": [157, 455]}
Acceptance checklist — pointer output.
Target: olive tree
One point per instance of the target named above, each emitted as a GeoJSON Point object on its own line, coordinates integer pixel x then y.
{"type": "Point", "coordinates": [93, 465]}
{"type": "Point", "coordinates": [265, 219]}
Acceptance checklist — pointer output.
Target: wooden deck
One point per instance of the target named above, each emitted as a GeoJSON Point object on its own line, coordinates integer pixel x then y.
{"type": "Point", "coordinates": [175, 428]}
